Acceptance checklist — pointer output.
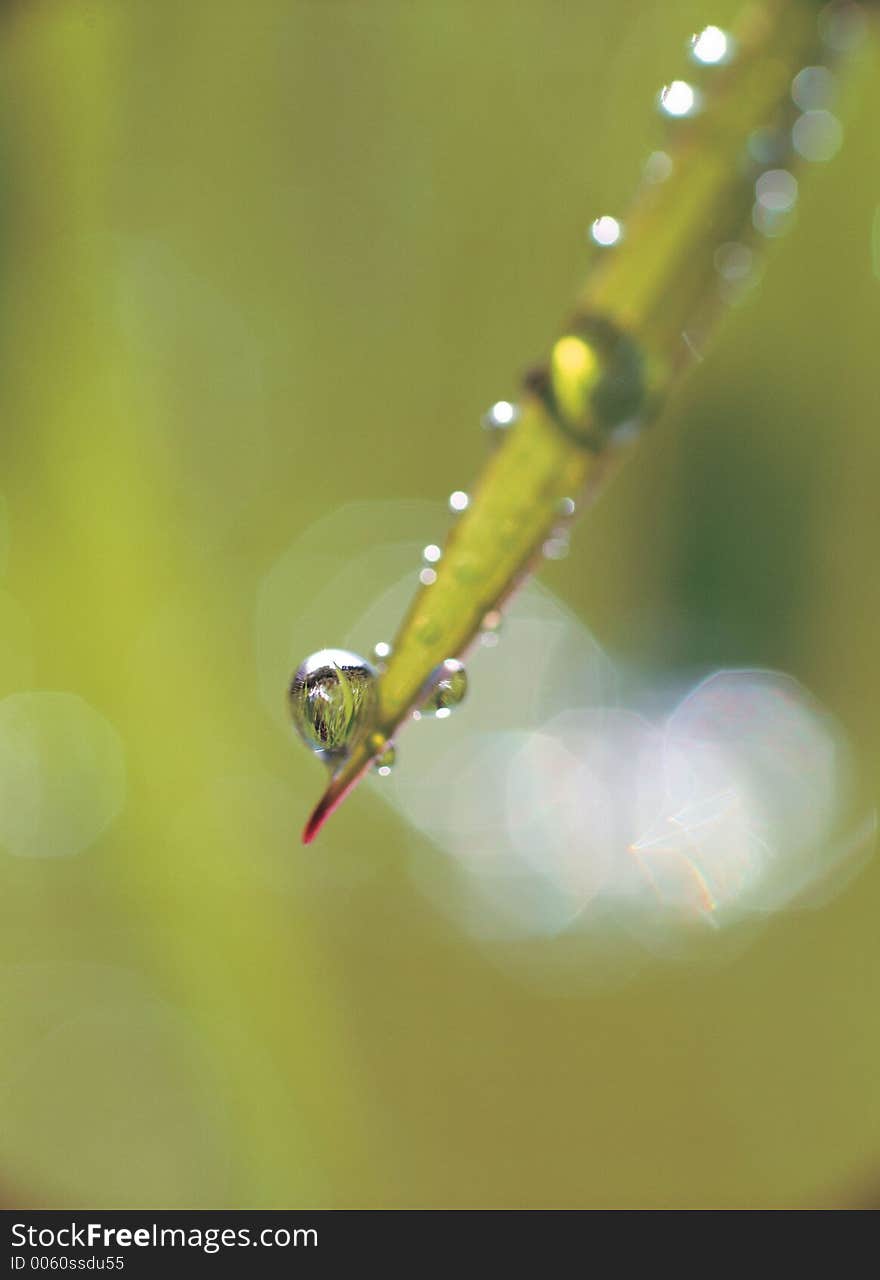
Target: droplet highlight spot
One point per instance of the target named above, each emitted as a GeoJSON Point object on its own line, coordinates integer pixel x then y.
{"type": "Point", "coordinates": [500, 416]}
{"type": "Point", "coordinates": [678, 99]}
{"type": "Point", "coordinates": [606, 231]}
{"type": "Point", "coordinates": [711, 47]}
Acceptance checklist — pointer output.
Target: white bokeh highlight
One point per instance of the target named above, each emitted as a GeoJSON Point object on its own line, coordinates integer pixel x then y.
{"type": "Point", "coordinates": [560, 807]}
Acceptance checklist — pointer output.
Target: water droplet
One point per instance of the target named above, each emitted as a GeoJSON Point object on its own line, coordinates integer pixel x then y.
{"type": "Point", "coordinates": [817, 135]}
{"type": "Point", "coordinates": [384, 762]}
{"type": "Point", "coordinates": [606, 231]}
{"type": "Point", "coordinates": [776, 190]}
{"type": "Point", "coordinates": [596, 378]}
{"type": "Point", "coordinates": [502, 415]}
{"type": "Point", "coordinates": [431, 554]}
{"type": "Point", "coordinates": [678, 99]}
{"type": "Point", "coordinates": [382, 651]}
{"type": "Point", "coordinates": [658, 167]}
{"type": "Point", "coordinates": [331, 695]}
{"type": "Point", "coordinates": [458, 501]}
{"type": "Point", "coordinates": [427, 577]}
{"type": "Point", "coordinates": [814, 88]}
{"type": "Point", "coordinates": [448, 688]}
{"type": "Point", "coordinates": [711, 47]}
{"type": "Point", "coordinates": [567, 507]}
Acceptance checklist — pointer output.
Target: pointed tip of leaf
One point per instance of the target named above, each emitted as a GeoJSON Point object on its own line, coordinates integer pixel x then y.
{"type": "Point", "coordinates": [349, 774]}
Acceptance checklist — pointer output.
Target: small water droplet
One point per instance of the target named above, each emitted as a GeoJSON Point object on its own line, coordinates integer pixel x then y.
{"type": "Point", "coordinates": [382, 651]}
{"type": "Point", "coordinates": [330, 696]}
{"type": "Point", "coordinates": [427, 577]}
{"type": "Point", "coordinates": [458, 501]}
{"type": "Point", "coordinates": [500, 416]}
{"type": "Point", "coordinates": [679, 99]}
{"type": "Point", "coordinates": [658, 167]}
{"type": "Point", "coordinates": [711, 47]}
{"type": "Point", "coordinates": [431, 554]}
{"type": "Point", "coordinates": [567, 507]}
{"type": "Point", "coordinates": [384, 762]}
{"type": "Point", "coordinates": [606, 231]}
{"type": "Point", "coordinates": [817, 135]}
{"type": "Point", "coordinates": [448, 688]}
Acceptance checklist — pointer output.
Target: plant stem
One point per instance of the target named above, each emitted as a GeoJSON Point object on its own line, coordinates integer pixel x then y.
{"type": "Point", "coordinates": [649, 303]}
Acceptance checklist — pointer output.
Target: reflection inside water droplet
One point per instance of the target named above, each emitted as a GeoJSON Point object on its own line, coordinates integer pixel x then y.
{"type": "Point", "coordinates": [330, 695]}
{"type": "Point", "coordinates": [385, 760]}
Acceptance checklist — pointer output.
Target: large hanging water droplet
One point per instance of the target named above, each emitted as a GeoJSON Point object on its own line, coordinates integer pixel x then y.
{"type": "Point", "coordinates": [331, 695]}
{"type": "Point", "coordinates": [448, 688]}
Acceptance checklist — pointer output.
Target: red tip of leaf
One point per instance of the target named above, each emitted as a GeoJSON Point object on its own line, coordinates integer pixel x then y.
{"type": "Point", "coordinates": [340, 785]}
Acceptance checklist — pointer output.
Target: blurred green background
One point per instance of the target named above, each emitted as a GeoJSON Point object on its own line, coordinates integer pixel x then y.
{"type": "Point", "coordinates": [261, 258]}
